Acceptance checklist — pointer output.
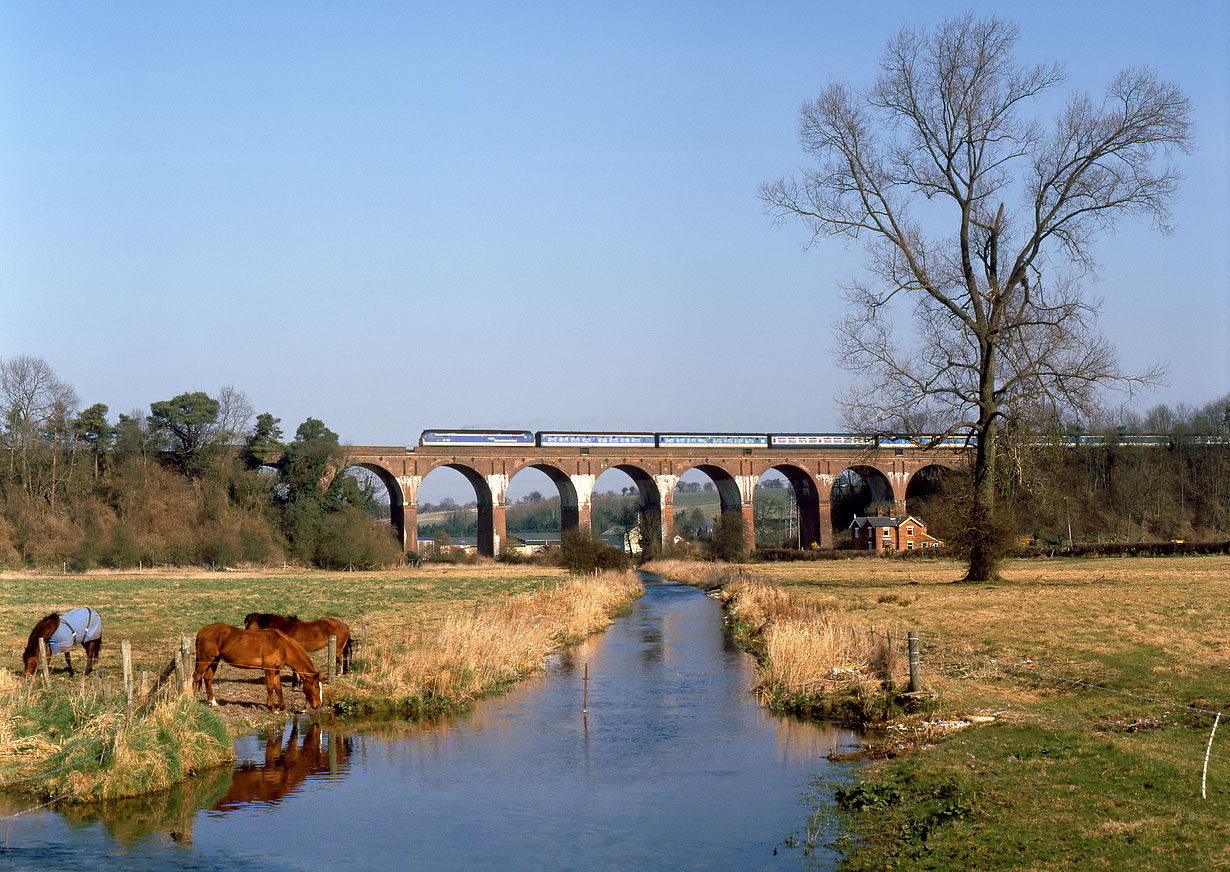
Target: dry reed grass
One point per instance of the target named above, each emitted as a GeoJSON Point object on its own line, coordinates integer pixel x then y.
{"type": "Point", "coordinates": [804, 649]}
{"type": "Point", "coordinates": [448, 663]}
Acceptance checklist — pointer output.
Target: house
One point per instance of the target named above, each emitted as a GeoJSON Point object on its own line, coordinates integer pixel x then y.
{"type": "Point", "coordinates": [884, 533]}
{"type": "Point", "coordinates": [627, 539]}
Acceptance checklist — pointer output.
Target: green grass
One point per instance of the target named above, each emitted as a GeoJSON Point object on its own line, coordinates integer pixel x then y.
{"type": "Point", "coordinates": [1084, 773]}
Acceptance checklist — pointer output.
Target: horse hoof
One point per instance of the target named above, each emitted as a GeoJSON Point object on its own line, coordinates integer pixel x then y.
{"type": "Point", "coordinates": [214, 703]}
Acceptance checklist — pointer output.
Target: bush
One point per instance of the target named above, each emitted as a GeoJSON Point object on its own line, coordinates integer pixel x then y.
{"type": "Point", "coordinates": [580, 554]}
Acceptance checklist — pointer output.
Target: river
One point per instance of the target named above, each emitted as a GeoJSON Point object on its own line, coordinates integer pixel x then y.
{"type": "Point", "coordinates": [662, 759]}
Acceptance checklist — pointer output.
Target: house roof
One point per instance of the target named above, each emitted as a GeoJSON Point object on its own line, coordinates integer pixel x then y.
{"type": "Point", "coordinates": [882, 521]}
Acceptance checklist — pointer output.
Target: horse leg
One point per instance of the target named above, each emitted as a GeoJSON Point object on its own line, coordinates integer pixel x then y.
{"type": "Point", "coordinates": [205, 669]}
{"type": "Point", "coordinates": [273, 685]}
{"type": "Point", "coordinates": [69, 661]}
{"type": "Point", "coordinates": [91, 652]}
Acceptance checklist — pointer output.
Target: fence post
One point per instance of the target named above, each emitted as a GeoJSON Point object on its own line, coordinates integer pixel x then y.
{"type": "Point", "coordinates": [189, 659]}
{"type": "Point", "coordinates": [179, 669]}
{"type": "Point", "coordinates": [126, 658]}
{"type": "Point", "coordinates": [43, 665]}
{"type": "Point", "coordinates": [329, 667]}
{"type": "Point", "coordinates": [915, 683]}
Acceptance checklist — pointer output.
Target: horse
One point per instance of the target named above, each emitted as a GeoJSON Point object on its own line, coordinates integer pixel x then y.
{"type": "Point", "coordinates": [312, 635]}
{"type": "Point", "coordinates": [59, 632]}
{"type": "Point", "coordinates": [269, 650]}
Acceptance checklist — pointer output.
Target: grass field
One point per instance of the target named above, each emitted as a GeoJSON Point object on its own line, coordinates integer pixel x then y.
{"type": "Point", "coordinates": [1072, 708]}
{"type": "Point", "coordinates": [154, 609]}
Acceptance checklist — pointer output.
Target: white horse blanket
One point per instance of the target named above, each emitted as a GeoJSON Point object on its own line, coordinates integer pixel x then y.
{"type": "Point", "coordinates": [76, 628]}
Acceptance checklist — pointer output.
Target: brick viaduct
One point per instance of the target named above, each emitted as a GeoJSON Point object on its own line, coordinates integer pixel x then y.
{"type": "Point", "coordinates": [656, 472]}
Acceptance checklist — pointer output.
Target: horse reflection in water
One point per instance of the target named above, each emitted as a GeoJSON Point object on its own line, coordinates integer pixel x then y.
{"type": "Point", "coordinates": [285, 768]}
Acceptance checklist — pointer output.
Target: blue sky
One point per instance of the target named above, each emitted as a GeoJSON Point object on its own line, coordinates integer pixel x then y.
{"type": "Point", "coordinates": [394, 216]}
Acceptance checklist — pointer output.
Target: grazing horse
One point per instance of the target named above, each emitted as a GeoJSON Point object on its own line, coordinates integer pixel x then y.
{"type": "Point", "coordinates": [312, 635]}
{"type": "Point", "coordinates": [268, 650]}
{"type": "Point", "coordinates": [60, 631]}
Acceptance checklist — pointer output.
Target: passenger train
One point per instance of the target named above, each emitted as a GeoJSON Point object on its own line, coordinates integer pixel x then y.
{"type": "Point", "coordinates": [553, 438]}
{"type": "Point", "coordinates": [580, 438]}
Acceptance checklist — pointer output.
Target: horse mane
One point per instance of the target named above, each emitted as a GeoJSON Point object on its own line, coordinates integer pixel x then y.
{"type": "Point", "coordinates": [294, 649]}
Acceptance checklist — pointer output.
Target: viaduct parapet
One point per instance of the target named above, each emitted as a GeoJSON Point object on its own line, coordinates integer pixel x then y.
{"type": "Point", "coordinates": [655, 471]}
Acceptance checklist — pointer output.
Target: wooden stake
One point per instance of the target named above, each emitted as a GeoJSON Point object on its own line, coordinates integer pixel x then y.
{"type": "Point", "coordinates": [126, 657]}
{"type": "Point", "coordinates": [43, 666]}
{"type": "Point", "coordinates": [585, 692]}
{"type": "Point", "coordinates": [915, 682]}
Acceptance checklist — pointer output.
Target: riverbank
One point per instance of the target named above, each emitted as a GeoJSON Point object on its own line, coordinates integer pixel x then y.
{"type": "Point", "coordinates": [1067, 713]}
{"type": "Point", "coordinates": [78, 741]}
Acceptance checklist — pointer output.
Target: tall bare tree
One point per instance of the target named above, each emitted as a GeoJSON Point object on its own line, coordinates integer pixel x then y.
{"type": "Point", "coordinates": [33, 401]}
{"type": "Point", "coordinates": [981, 218]}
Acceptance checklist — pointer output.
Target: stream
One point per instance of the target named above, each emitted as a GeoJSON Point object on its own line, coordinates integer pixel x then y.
{"type": "Point", "coordinates": [661, 759]}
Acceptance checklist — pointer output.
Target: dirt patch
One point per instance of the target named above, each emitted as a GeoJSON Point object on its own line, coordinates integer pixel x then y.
{"type": "Point", "coordinates": [241, 699]}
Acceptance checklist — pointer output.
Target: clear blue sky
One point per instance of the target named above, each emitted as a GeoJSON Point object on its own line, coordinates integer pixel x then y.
{"type": "Point", "coordinates": [394, 216]}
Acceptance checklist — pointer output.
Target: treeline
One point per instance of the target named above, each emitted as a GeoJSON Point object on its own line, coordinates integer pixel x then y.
{"type": "Point", "coordinates": [1111, 491]}
{"type": "Point", "coordinates": [200, 480]}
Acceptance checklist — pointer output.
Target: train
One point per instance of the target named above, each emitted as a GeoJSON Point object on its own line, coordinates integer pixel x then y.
{"type": "Point", "coordinates": [679, 439]}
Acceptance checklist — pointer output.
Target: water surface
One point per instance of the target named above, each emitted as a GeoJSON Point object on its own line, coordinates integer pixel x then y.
{"type": "Point", "coordinates": [671, 765]}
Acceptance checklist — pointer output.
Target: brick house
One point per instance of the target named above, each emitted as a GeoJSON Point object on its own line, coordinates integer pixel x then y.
{"type": "Point", "coordinates": [883, 533]}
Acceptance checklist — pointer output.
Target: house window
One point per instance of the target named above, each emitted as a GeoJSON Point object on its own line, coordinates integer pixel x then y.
{"type": "Point", "coordinates": [909, 531]}
{"type": "Point", "coordinates": [909, 546]}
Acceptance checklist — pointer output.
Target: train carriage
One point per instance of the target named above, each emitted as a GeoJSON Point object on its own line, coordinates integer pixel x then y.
{"type": "Point", "coordinates": [549, 438]}
{"type": "Point", "coordinates": [476, 438]}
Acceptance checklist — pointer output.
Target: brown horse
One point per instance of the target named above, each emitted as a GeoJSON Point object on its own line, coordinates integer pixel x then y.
{"type": "Point", "coordinates": [268, 650]}
{"type": "Point", "coordinates": [312, 635]}
{"type": "Point", "coordinates": [59, 632]}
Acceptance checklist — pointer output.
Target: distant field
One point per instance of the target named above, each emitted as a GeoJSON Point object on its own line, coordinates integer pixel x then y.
{"type": "Point", "coordinates": [153, 609]}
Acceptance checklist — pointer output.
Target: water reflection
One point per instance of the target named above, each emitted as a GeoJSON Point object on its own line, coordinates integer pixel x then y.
{"type": "Point", "coordinates": [286, 766]}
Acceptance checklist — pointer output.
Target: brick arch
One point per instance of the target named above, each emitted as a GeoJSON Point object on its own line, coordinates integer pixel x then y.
{"type": "Point", "coordinates": [653, 510]}
{"type": "Point", "coordinates": [485, 500]}
{"type": "Point", "coordinates": [879, 482]}
{"type": "Point", "coordinates": [806, 498]}
{"type": "Point", "coordinates": [397, 495]}
{"type": "Point", "coordinates": [569, 500]}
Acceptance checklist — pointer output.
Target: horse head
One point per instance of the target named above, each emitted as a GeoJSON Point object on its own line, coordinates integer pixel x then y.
{"type": "Point", "coordinates": [311, 689]}
{"type": "Point", "coordinates": [42, 630]}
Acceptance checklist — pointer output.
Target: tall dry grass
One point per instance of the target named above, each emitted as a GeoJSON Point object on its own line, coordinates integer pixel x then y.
{"type": "Point", "coordinates": [811, 658]}
{"type": "Point", "coordinates": [446, 664]}
{"type": "Point", "coordinates": [77, 746]}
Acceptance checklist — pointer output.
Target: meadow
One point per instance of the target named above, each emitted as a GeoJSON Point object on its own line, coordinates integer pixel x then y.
{"type": "Point", "coordinates": [1065, 717]}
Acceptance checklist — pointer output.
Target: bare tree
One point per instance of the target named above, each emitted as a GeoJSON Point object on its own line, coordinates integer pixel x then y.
{"type": "Point", "coordinates": [235, 415]}
{"type": "Point", "coordinates": [33, 402]}
{"type": "Point", "coordinates": [982, 219]}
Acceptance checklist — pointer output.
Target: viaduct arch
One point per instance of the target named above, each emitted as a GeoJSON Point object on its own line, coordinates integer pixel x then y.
{"type": "Point", "coordinates": [655, 471]}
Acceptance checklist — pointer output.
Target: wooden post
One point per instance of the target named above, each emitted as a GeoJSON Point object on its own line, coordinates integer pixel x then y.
{"type": "Point", "coordinates": [329, 667]}
{"type": "Point", "coordinates": [126, 657]}
{"type": "Point", "coordinates": [179, 669]}
{"type": "Point", "coordinates": [188, 649]}
{"type": "Point", "coordinates": [144, 683]}
{"type": "Point", "coordinates": [915, 682]}
{"type": "Point", "coordinates": [585, 692]}
{"type": "Point", "coordinates": [43, 666]}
